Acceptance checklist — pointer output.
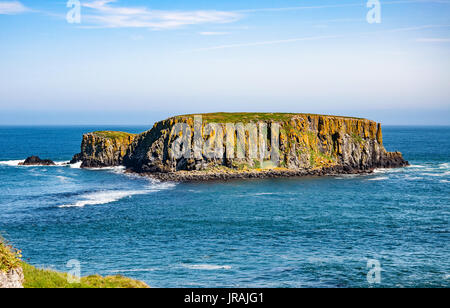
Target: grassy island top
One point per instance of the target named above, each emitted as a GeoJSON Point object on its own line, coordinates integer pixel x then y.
{"type": "Point", "coordinates": [225, 117]}
{"type": "Point", "coordinates": [113, 135]}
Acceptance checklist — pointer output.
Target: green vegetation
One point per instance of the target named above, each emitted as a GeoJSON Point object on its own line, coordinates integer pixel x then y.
{"type": "Point", "coordinates": [9, 257]}
{"type": "Point", "coordinates": [357, 138]}
{"type": "Point", "coordinates": [257, 164]}
{"type": "Point", "coordinates": [113, 135]}
{"type": "Point", "coordinates": [40, 278]}
{"type": "Point", "coordinates": [317, 158]}
{"type": "Point", "coordinates": [244, 117]}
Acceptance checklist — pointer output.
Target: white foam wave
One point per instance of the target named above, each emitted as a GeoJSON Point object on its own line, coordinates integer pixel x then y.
{"type": "Point", "coordinates": [115, 168]}
{"type": "Point", "coordinates": [347, 176]}
{"type": "Point", "coordinates": [76, 165]}
{"type": "Point", "coordinates": [11, 162]}
{"type": "Point", "coordinates": [379, 178]}
{"type": "Point", "coordinates": [109, 196]}
{"type": "Point", "coordinates": [63, 179]}
{"type": "Point", "coordinates": [444, 166]}
{"type": "Point", "coordinates": [387, 170]}
{"type": "Point", "coordinates": [133, 270]}
{"type": "Point", "coordinates": [444, 181]}
{"type": "Point", "coordinates": [206, 266]}
{"type": "Point", "coordinates": [62, 163]}
{"type": "Point", "coordinates": [434, 174]}
{"type": "Point", "coordinates": [14, 163]}
{"type": "Point", "coordinates": [416, 166]}
{"type": "Point", "coordinates": [264, 194]}
{"type": "Point", "coordinates": [104, 197]}
{"type": "Point", "coordinates": [158, 185]}
{"type": "Point", "coordinates": [412, 178]}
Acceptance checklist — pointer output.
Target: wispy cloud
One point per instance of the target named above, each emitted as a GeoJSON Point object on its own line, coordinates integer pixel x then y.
{"type": "Point", "coordinates": [104, 14]}
{"type": "Point", "coordinates": [433, 40]}
{"type": "Point", "coordinates": [315, 38]}
{"type": "Point", "coordinates": [210, 33]}
{"type": "Point", "coordinates": [251, 44]}
{"type": "Point", "coordinates": [12, 8]}
{"type": "Point", "coordinates": [335, 6]}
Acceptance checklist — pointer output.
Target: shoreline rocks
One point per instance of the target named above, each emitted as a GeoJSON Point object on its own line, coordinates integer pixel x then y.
{"type": "Point", "coordinates": [222, 175]}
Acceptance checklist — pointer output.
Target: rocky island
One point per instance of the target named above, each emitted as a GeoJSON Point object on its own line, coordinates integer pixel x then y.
{"type": "Point", "coordinates": [243, 145]}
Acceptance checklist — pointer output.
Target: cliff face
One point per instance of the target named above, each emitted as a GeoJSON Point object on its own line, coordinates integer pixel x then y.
{"type": "Point", "coordinates": [103, 149]}
{"type": "Point", "coordinates": [13, 279]}
{"type": "Point", "coordinates": [240, 142]}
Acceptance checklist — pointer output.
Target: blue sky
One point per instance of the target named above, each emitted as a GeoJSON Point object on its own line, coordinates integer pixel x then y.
{"type": "Point", "coordinates": [134, 62]}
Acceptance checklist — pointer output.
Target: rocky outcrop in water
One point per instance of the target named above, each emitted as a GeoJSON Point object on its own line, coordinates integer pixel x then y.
{"type": "Point", "coordinates": [36, 161]}
{"type": "Point", "coordinates": [226, 145]}
{"type": "Point", "coordinates": [103, 149]}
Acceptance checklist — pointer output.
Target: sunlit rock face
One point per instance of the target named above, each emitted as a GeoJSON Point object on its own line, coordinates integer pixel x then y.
{"type": "Point", "coordinates": [103, 149]}
{"type": "Point", "coordinates": [260, 141]}
{"type": "Point", "coordinates": [241, 142]}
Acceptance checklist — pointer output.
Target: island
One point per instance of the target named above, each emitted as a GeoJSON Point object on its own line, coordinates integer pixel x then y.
{"type": "Point", "coordinates": [221, 146]}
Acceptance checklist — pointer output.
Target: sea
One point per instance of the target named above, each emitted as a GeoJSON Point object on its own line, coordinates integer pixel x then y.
{"type": "Point", "coordinates": [387, 229]}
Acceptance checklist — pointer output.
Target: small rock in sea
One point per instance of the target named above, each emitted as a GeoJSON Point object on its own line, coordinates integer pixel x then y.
{"type": "Point", "coordinates": [36, 161]}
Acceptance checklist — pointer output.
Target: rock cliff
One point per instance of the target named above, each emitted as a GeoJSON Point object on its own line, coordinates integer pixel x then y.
{"type": "Point", "coordinates": [13, 279]}
{"type": "Point", "coordinates": [230, 143]}
{"type": "Point", "coordinates": [103, 149]}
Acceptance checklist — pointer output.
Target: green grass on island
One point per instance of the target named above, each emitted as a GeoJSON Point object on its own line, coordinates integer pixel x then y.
{"type": "Point", "coordinates": [44, 278]}
{"type": "Point", "coordinates": [113, 135]}
{"type": "Point", "coordinates": [245, 117]}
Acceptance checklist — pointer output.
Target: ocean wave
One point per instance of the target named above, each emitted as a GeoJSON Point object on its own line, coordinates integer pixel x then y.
{"type": "Point", "coordinates": [416, 166]}
{"type": "Point", "coordinates": [444, 166]}
{"type": "Point", "coordinates": [436, 174]}
{"type": "Point", "coordinates": [63, 179]}
{"type": "Point", "coordinates": [76, 165]}
{"type": "Point", "coordinates": [133, 270]}
{"type": "Point", "coordinates": [15, 163]}
{"type": "Point", "coordinates": [109, 196]}
{"type": "Point", "coordinates": [412, 178]}
{"type": "Point", "coordinates": [444, 181]}
{"type": "Point", "coordinates": [379, 178]}
{"type": "Point", "coordinates": [118, 169]}
{"type": "Point", "coordinates": [347, 176]}
{"type": "Point", "coordinates": [11, 162]}
{"type": "Point", "coordinates": [388, 170]}
{"type": "Point", "coordinates": [104, 197]}
{"type": "Point", "coordinates": [209, 267]}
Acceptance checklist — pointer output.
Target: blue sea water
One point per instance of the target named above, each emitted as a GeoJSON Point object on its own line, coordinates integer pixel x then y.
{"type": "Point", "coordinates": [298, 232]}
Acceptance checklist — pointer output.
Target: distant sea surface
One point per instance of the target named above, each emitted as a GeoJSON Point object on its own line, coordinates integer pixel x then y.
{"type": "Point", "coordinates": [297, 232]}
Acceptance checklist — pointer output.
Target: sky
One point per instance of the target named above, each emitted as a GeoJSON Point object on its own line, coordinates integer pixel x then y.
{"type": "Point", "coordinates": [139, 61]}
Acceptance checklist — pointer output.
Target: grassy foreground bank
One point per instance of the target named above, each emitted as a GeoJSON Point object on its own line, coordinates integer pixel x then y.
{"type": "Point", "coordinates": [44, 278]}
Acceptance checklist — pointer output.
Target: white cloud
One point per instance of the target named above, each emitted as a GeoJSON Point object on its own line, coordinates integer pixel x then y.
{"type": "Point", "coordinates": [103, 14]}
{"type": "Point", "coordinates": [12, 8]}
